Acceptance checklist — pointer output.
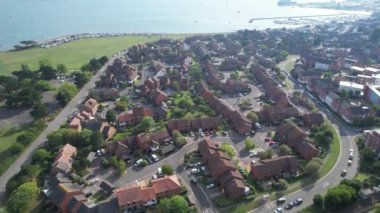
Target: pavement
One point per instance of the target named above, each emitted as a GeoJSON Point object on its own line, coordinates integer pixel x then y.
{"type": "Point", "coordinates": [333, 178]}
{"type": "Point", "coordinates": [71, 107]}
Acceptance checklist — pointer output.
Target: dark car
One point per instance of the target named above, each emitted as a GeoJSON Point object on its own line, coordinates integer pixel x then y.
{"type": "Point", "coordinates": [343, 173]}
{"type": "Point", "coordinates": [90, 176]}
{"type": "Point", "coordinates": [289, 206]}
{"type": "Point", "coordinates": [298, 202]}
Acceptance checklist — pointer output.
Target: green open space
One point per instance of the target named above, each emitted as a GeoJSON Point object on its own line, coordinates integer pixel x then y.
{"type": "Point", "coordinates": [74, 54]}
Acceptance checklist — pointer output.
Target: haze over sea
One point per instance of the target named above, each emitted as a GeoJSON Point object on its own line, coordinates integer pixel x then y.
{"type": "Point", "coordinates": [45, 19]}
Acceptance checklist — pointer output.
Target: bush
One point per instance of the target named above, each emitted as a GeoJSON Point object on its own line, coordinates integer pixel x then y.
{"type": "Point", "coordinates": [22, 197]}
{"type": "Point", "coordinates": [229, 149]}
{"type": "Point", "coordinates": [26, 138]}
{"type": "Point", "coordinates": [249, 144]}
{"type": "Point", "coordinates": [16, 148]}
{"type": "Point", "coordinates": [167, 169]}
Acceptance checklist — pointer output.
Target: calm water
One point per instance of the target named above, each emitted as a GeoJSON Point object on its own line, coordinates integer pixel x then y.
{"type": "Point", "coordinates": [44, 19]}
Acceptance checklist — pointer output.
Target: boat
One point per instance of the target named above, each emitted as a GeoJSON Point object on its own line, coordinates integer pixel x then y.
{"type": "Point", "coordinates": [286, 2]}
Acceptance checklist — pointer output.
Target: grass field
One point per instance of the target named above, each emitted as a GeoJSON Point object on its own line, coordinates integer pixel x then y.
{"type": "Point", "coordinates": [73, 54]}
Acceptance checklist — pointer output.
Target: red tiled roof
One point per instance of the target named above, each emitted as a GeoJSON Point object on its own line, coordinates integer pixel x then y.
{"type": "Point", "coordinates": [166, 184]}
{"type": "Point", "coordinates": [134, 194]}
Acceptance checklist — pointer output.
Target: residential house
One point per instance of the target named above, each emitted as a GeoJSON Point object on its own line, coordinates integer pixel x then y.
{"type": "Point", "coordinates": [312, 119]}
{"type": "Point", "coordinates": [296, 139]}
{"type": "Point", "coordinates": [185, 125]}
{"type": "Point", "coordinates": [372, 94]}
{"type": "Point", "coordinates": [75, 123]}
{"type": "Point", "coordinates": [239, 122]}
{"type": "Point", "coordinates": [372, 139]}
{"type": "Point", "coordinates": [134, 116]}
{"type": "Point", "coordinates": [158, 96]}
{"type": "Point", "coordinates": [140, 196]}
{"type": "Point", "coordinates": [62, 195]}
{"type": "Point", "coordinates": [91, 106]}
{"type": "Point", "coordinates": [222, 169]}
{"type": "Point", "coordinates": [276, 114]}
{"type": "Point", "coordinates": [274, 167]}
{"type": "Point", "coordinates": [64, 159]}
{"type": "Point", "coordinates": [119, 149]}
{"type": "Point", "coordinates": [135, 197]}
{"type": "Point", "coordinates": [105, 94]}
{"type": "Point", "coordinates": [107, 130]}
{"type": "Point", "coordinates": [166, 186]}
{"type": "Point", "coordinates": [352, 112]}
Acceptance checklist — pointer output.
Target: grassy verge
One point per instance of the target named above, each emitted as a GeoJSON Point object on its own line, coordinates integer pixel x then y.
{"type": "Point", "coordinates": [74, 54]}
{"type": "Point", "coordinates": [8, 137]}
{"type": "Point", "coordinates": [297, 183]}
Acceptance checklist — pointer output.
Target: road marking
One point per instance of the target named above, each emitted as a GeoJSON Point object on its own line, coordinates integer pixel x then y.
{"type": "Point", "coordinates": [326, 184]}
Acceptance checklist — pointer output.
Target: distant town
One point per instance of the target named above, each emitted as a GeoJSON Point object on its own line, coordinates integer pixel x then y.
{"type": "Point", "coordinates": [280, 120]}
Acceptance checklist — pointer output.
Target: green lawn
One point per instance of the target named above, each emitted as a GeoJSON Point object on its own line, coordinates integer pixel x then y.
{"type": "Point", "coordinates": [73, 54]}
{"type": "Point", "coordinates": [362, 176]}
{"type": "Point", "coordinates": [7, 138]}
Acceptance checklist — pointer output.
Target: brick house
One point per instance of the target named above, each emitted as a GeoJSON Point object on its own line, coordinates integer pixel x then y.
{"type": "Point", "coordinates": [273, 167]}
{"type": "Point", "coordinates": [296, 139]}
{"type": "Point", "coordinates": [184, 125]}
{"type": "Point", "coordinates": [222, 169]}
{"type": "Point", "coordinates": [372, 139]}
{"type": "Point", "coordinates": [312, 119]}
{"type": "Point", "coordinates": [276, 114]}
{"type": "Point", "coordinates": [166, 186]}
{"type": "Point", "coordinates": [64, 159]}
{"type": "Point", "coordinates": [91, 106]}
{"type": "Point", "coordinates": [158, 96]}
{"type": "Point", "coordinates": [63, 193]}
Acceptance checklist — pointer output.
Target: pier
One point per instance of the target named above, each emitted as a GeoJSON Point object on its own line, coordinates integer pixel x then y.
{"type": "Point", "coordinates": [306, 16]}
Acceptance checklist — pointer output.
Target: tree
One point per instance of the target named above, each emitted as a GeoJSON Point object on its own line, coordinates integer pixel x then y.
{"type": "Point", "coordinates": [285, 150]}
{"type": "Point", "coordinates": [265, 154]}
{"type": "Point", "coordinates": [146, 124]}
{"type": "Point", "coordinates": [340, 196]}
{"type": "Point", "coordinates": [97, 140]}
{"type": "Point", "coordinates": [312, 166]}
{"type": "Point", "coordinates": [39, 111]}
{"type": "Point", "coordinates": [282, 184]}
{"type": "Point", "coordinates": [328, 75]}
{"type": "Point", "coordinates": [111, 116]}
{"type": "Point", "coordinates": [66, 92]}
{"type": "Point", "coordinates": [318, 200]}
{"type": "Point", "coordinates": [42, 85]}
{"type": "Point", "coordinates": [61, 69]}
{"type": "Point", "coordinates": [235, 75]}
{"type": "Point", "coordinates": [16, 148]}
{"type": "Point", "coordinates": [175, 204]}
{"type": "Point", "coordinates": [367, 154]}
{"type": "Point", "coordinates": [121, 167]}
{"type": "Point", "coordinates": [26, 138]}
{"type": "Point", "coordinates": [81, 78]}
{"type": "Point", "coordinates": [249, 144]}
{"type": "Point", "coordinates": [167, 169]}
{"type": "Point", "coordinates": [228, 148]}
{"type": "Point", "coordinates": [47, 72]}
{"type": "Point", "coordinates": [195, 72]}
{"type": "Point", "coordinates": [22, 197]}
{"type": "Point", "coordinates": [252, 117]}
{"type": "Point", "coordinates": [175, 86]}
{"type": "Point", "coordinates": [102, 60]}
{"type": "Point", "coordinates": [40, 155]}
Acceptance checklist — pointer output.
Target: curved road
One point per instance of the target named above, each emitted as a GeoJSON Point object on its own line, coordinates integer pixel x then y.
{"type": "Point", "coordinates": [52, 126]}
{"type": "Point", "coordinates": [331, 179]}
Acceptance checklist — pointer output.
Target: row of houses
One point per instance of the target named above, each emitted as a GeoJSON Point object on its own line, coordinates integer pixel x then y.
{"type": "Point", "coordinates": [349, 110]}
{"type": "Point", "coordinates": [137, 113]}
{"type": "Point", "coordinates": [186, 125]}
{"type": "Point", "coordinates": [297, 139]}
{"type": "Point", "coordinates": [70, 198]}
{"type": "Point", "coordinates": [222, 170]}
{"type": "Point", "coordinates": [229, 86]}
{"type": "Point", "coordinates": [239, 122]}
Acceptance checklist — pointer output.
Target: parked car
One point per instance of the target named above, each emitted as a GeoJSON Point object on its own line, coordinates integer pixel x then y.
{"type": "Point", "coordinates": [193, 180]}
{"type": "Point", "coordinates": [194, 170]}
{"type": "Point", "coordinates": [343, 173]}
{"type": "Point", "coordinates": [289, 206]}
{"type": "Point", "coordinates": [281, 200]}
{"type": "Point", "coordinates": [159, 172]}
{"type": "Point", "coordinates": [154, 157]}
{"type": "Point", "coordinates": [252, 153]}
{"type": "Point", "coordinates": [349, 162]}
{"type": "Point", "coordinates": [95, 180]}
{"type": "Point", "coordinates": [352, 150]}
{"type": "Point", "coordinates": [298, 202]}
{"type": "Point", "coordinates": [351, 157]}
{"type": "Point", "coordinates": [267, 139]}
{"type": "Point", "coordinates": [210, 186]}
{"type": "Point", "coordinates": [278, 210]}
{"type": "Point", "coordinates": [90, 176]}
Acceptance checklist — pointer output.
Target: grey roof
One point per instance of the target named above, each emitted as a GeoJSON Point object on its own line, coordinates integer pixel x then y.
{"type": "Point", "coordinates": [59, 178]}
{"type": "Point", "coordinates": [75, 200]}
{"type": "Point", "coordinates": [93, 125]}
{"type": "Point", "coordinates": [167, 149]}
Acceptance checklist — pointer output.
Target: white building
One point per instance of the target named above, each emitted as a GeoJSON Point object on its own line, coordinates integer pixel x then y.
{"type": "Point", "coordinates": [350, 86]}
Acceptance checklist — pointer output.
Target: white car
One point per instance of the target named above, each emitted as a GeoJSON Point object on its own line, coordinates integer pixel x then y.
{"type": "Point", "coordinates": [352, 150]}
{"type": "Point", "coordinates": [210, 186]}
{"type": "Point", "coordinates": [252, 153]}
{"type": "Point", "coordinates": [194, 170]}
{"type": "Point", "coordinates": [154, 157]}
{"type": "Point", "coordinates": [95, 180]}
{"type": "Point", "coordinates": [349, 162]}
{"type": "Point", "coordinates": [278, 210]}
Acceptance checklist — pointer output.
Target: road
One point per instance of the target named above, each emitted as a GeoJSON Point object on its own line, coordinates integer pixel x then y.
{"type": "Point", "coordinates": [176, 161]}
{"type": "Point", "coordinates": [52, 126]}
{"type": "Point", "coordinates": [331, 179]}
